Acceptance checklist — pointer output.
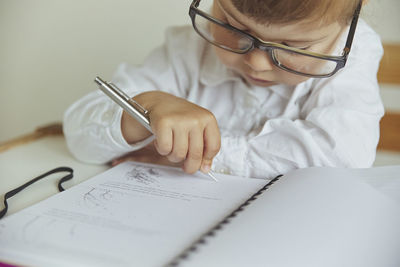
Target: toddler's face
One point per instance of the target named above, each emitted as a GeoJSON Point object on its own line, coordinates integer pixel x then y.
{"type": "Point", "coordinates": [256, 66]}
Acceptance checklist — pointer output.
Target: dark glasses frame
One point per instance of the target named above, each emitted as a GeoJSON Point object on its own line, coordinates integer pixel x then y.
{"type": "Point", "coordinates": [270, 46]}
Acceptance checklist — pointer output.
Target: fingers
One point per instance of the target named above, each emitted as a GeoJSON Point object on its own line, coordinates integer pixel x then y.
{"type": "Point", "coordinates": [179, 146]}
{"type": "Point", "coordinates": [185, 133]}
{"type": "Point", "coordinates": [195, 147]}
{"type": "Point", "coordinates": [212, 145]}
{"type": "Point", "coordinates": [170, 141]}
{"type": "Point", "coordinates": [195, 152]}
{"type": "Point", "coordinates": [163, 142]}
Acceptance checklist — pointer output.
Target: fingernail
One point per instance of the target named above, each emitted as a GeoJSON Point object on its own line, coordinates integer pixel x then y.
{"type": "Point", "coordinates": [205, 168]}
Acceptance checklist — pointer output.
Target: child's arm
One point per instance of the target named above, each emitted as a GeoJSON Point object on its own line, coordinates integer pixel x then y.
{"type": "Point", "coordinates": [97, 130]}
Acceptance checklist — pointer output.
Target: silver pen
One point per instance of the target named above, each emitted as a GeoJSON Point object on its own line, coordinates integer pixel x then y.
{"type": "Point", "coordinates": [129, 105]}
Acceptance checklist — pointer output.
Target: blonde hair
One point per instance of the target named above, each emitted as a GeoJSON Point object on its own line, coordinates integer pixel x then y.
{"type": "Point", "coordinates": [289, 11]}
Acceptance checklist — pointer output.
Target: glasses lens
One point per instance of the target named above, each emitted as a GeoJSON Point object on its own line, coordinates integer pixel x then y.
{"type": "Point", "coordinates": [222, 36]}
{"type": "Point", "coordinates": [303, 63]}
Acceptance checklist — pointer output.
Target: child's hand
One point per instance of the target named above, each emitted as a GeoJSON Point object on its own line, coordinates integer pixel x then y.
{"type": "Point", "coordinates": [184, 132]}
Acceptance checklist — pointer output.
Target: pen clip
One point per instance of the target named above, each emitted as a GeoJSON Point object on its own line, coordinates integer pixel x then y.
{"type": "Point", "coordinates": [130, 100]}
{"type": "Point", "coordinates": [119, 91]}
{"type": "Point", "coordinates": [138, 106]}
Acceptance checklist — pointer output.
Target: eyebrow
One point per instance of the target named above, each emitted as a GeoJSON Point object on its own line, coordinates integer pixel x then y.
{"type": "Point", "coordinates": [285, 40]}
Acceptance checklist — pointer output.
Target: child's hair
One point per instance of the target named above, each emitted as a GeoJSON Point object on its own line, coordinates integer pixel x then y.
{"type": "Point", "coordinates": [287, 11]}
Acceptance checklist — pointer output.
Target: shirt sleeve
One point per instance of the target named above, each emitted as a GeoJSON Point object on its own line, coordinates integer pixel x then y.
{"type": "Point", "coordinates": [92, 125]}
{"type": "Point", "coordinates": [338, 125]}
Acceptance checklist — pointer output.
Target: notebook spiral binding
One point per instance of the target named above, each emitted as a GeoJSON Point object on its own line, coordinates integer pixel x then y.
{"type": "Point", "coordinates": [203, 239]}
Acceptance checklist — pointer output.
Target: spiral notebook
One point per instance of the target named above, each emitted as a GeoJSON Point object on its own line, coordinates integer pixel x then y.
{"type": "Point", "coordinates": [146, 215]}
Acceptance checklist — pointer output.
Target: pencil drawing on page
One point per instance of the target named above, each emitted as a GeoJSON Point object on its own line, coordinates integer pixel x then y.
{"type": "Point", "coordinates": [100, 199]}
{"type": "Point", "coordinates": [143, 175]}
{"type": "Point", "coordinates": [95, 197]}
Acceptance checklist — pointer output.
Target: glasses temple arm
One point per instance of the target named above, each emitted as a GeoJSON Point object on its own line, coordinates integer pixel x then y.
{"type": "Point", "coordinates": [352, 30]}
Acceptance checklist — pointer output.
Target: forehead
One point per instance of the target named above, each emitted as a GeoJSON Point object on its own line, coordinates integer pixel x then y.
{"type": "Point", "coordinates": [297, 30]}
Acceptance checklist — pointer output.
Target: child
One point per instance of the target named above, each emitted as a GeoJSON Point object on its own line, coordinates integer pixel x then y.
{"type": "Point", "coordinates": [253, 90]}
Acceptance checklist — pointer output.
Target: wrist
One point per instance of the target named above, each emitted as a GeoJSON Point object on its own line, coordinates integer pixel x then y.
{"type": "Point", "coordinates": [132, 131]}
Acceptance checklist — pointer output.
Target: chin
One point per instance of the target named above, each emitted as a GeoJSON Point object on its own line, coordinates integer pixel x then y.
{"type": "Point", "coordinates": [262, 84]}
{"type": "Point", "coordinates": [258, 82]}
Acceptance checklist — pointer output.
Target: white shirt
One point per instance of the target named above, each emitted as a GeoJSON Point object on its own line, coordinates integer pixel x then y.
{"type": "Point", "coordinates": [265, 131]}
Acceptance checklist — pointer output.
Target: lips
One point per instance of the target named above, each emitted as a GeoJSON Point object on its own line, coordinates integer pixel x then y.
{"type": "Point", "coordinates": [258, 80]}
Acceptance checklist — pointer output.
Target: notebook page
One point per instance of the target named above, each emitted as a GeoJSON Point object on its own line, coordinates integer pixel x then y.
{"type": "Point", "coordinates": [385, 179]}
{"type": "Point", "coordinates": [311, 217]}
{"type": "Point", "coordinates": [131, 215]}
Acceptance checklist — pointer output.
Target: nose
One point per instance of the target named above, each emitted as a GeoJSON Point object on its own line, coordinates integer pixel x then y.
{"type": "Point", "coordinates": [258, 60]}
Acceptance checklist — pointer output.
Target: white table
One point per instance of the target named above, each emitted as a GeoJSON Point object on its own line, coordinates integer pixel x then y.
{"type": "Point", "coordinates": [23, 163]}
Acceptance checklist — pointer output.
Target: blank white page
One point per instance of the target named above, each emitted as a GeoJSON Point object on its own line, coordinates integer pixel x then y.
{"type": "Point", "coordinates": [312, 218]}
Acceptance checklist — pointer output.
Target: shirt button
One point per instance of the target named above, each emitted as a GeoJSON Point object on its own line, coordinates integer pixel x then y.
{"type": "Point", "coordinates": [248, 101]}
{"type": "Point", "coordinates": [107, 116]}
{"type": "Point", "coordinates": [224, 171]}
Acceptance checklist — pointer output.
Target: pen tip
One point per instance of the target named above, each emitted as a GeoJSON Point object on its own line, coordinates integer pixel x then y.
{"type": "Point", "coordinates": [212, 176]}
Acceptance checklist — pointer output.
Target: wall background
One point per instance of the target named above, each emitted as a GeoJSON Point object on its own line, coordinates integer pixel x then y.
{"type": "Point", "coordinates": [51, 50]}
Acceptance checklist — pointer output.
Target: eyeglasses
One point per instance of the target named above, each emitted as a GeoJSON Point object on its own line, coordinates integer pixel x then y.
{"type": "Point", "coordinates": [294, 60]}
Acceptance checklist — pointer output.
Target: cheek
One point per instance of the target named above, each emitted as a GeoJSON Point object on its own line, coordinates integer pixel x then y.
{"type": "Point", "coordinates": [288, 78]}
{"type": "Point", "coordinates": [229, 59]}
{"type": "Point", "coordinates": [235, 61]}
